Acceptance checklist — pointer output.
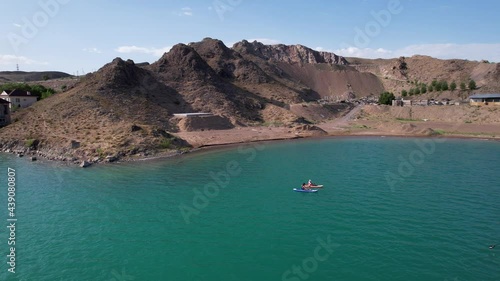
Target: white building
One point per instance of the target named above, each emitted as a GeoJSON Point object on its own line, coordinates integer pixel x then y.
{"type": "Point", "coordinates": [19, 98]}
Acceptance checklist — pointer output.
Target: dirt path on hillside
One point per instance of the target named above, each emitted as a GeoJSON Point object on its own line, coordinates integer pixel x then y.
{"type": "Point", "coordinates": [343, 122]}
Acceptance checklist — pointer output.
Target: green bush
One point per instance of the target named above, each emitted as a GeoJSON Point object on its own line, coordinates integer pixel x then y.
{"type": "Point", "coordinates": [46, 94]}
{"type": "Point", "coordinates": [386, 98]}
{"type": "Point", "coordinates": [100, 152]}
{"type": "Point", "coordinates": [438, 86]}
{"type": "Point", "coordinates": [166, 143]}
{"type": "Point", "coordinates": [453, 86]}
{"type": "Point", "coordinates": [444, 85]}
{"type": "Point", "coordinates": [29, 142]}
{"type": "Point", "coordinates": [462, 86]}
{"type": "Point", "coordinates": [472, 85]}
{"type": "Point", "coordinates": [404, 93]}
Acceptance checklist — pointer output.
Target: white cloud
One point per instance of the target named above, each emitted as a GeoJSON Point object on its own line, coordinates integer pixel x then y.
{"type": "Point", "coordinates": [186, 11]}
{"type": "Point", "coordinates": [17, 25]}
{"type": "Point", "coordinates": [363, 53]}
{"type": "Point", "coordinates": [92, 50]}
{"type": "Point", "coordinates": [473, 51]}
{"type": "Point", "coordinates": [12, 59]}
{"type": "Point", "coordinates": [157, 52]}
{"type": "Point", "coordinates": [265, 41]}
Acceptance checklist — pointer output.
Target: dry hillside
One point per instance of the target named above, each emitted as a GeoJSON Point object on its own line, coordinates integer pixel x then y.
{"type": "Point", "coordinates": [125, 109]}
{"type": "Point", "coordinates": [425, 69]}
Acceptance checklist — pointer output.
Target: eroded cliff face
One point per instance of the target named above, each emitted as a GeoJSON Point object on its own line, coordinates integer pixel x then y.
{"type": "Point", "coordinates": [288, 53]}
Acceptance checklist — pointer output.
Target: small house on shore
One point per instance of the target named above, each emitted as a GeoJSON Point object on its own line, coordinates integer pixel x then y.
{"type": "Point", "coordinates": [4, 113]}
{"type": "Point", "coordinates": [18, 98]}
{"type": "Point", "coordinates": [484, 99]}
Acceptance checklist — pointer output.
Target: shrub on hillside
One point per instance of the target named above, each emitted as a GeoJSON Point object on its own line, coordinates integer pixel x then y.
{"type": "Point", "coordinates": [444, 85]}
{"type": "Point", "coordinates": [453, 86]}
{"type": "Point", "coordinates": [386, 98]}
{"type": "Point", "coordinates": [472, 85]}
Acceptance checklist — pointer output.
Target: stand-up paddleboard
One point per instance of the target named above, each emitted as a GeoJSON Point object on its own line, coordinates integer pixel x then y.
{"type": "Point", "coordinates": [305, 190]}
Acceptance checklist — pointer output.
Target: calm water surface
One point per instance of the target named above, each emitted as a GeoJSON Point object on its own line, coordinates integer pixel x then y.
{"type": "Point", "coordinates": [391, 209]}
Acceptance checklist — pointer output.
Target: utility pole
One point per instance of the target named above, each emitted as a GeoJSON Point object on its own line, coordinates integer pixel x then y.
{"type": "Point", "coordinates": [17, 67]}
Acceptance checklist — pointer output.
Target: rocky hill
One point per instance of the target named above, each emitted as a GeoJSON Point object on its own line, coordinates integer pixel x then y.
{"type": "Point", "coordinates": [288, 54]}
{"type": "Point", "coordinates": [401, 73]}
{"type": "Point", "coordinates": [126, 109]}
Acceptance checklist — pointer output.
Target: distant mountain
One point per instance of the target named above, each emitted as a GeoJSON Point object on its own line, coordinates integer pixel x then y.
{"type": "Point", "coordinates": [126, 108]}
{"type": "Point", "coordinates": [21, 76]}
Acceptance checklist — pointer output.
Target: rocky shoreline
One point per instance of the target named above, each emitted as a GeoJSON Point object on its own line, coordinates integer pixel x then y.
{"type": "Point", "coordinates": [242, 135]}
{"type": "Point", "coordinates": [53, 155]}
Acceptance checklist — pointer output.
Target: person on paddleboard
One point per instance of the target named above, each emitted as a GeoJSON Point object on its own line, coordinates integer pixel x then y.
{"type": "Point", "coordinates": [304, 186]}
{"type": "Point", "coordinates": [310, 183]}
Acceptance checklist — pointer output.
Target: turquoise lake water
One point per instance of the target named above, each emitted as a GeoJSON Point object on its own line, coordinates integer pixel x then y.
{"type": "Point", "coordinates": [391, 209]}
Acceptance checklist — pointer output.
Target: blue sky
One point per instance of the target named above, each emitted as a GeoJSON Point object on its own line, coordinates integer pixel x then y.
{"type": "Point", "coordinates": [78, 36]}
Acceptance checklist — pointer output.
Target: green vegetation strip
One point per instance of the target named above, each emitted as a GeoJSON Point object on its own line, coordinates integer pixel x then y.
{"type": "Point", "coordinates": [37, 90]}
{"type": "Point", "coordinates": [480, 134]}
{"type": "Point", "coordinates": [408, 120]}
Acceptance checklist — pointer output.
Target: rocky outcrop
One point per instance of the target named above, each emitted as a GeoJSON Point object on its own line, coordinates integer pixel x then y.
{"type": "Point", "coordinates": [288, 53]}
{"type": "Point", "coordinates": [202, 89]}
{"type": "Point", "coordinates": [190, 124]}
{"type": "Point", "coordinates": [85, 164]}
{"type": "Point", "coordinates": [228, 63]}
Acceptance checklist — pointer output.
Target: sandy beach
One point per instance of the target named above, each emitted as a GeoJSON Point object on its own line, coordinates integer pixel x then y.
{"type": "Point", "coordinates": [343, 128]}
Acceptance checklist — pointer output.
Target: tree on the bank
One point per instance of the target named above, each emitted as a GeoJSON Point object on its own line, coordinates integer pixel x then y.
{"type": "Point", "coordinates": [423, 89]}
{"type": "Point", "coordinates": [386, 98]}
{"type": "Point", "coordinates": [462, 86]}
{"type": "Point", "coordinates": [444, 85]}
{"type": "Point", "coordinates": [472, 85]}
{"type": "Point", "coordinates": [453, 86]}
{"type": "Point", "coordinates": [438, 86]}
